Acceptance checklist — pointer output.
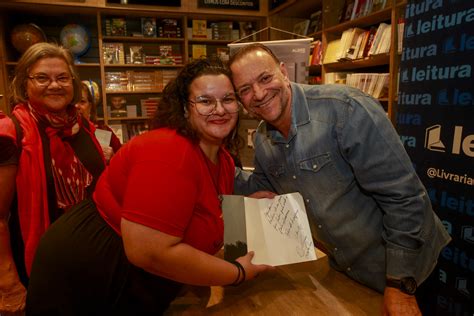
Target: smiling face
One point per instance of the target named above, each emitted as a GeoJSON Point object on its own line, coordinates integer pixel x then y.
{"type": "Point", "coordinates": [263, 87]}
{"type": "Point", "coordinates": [214, 128]}
{"type": "Point", "coordinates": [56, 96]}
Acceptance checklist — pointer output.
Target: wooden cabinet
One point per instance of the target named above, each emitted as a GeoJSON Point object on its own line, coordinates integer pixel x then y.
{"type": "Point", "coordinates": [130, 64]}
{"type": "Point", "coordinates": [286, 15]}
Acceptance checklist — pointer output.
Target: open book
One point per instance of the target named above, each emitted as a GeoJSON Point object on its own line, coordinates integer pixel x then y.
{"type": "Point", "coordinates": [277, 229]}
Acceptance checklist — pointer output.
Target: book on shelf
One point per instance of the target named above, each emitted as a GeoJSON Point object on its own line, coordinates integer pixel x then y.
{"type": "Point", "coordinates": [117, 106]}
{"type": "Point", "coordinates": [360, 9]}
{"type": "Point", "coordinates": [378, 5]}
{"type": "Point", "coordinates": [116, 27]}
{"type": "Point", "coordinates": [148, 26]}
{"type": "Point", "coordinates": [315, 22]}
{"type": "Point", "coordinates": [149, 106]}
{"type": "Point", "coordinates": [331, 54]}
{"type": "Point", "coordinates": [374, 84]}
{"type": "Point", "coordinates": [116, 81]}
{"type": "Point", "coordinates": [222, 30]}
{"type": "Point", "coordinates": [199, 50]}
{"type": "Point", "coordinates": [120, 130]}
{"type": "Point", "coordinates": [332, 12]}
{"type": "Point", "coordinates": [113, 53]}
{"type": "Point", "coordinates": [199, 29]}
{"type": "Point", "coordinates": [169, 28]}
{"type": "Point", "coordinates": [347, 10]}
{"type": "Point", "coordinates": [316, 53]}
{"type": "Point", "coordinates": [354, 41]}
{"type": "Point", "coordinates": [369, 41]}
{"type": "Point", "coordinates": [301, 28]}
{"type": "Point", "coordinates": [223, 53]}
{"type": "Point", "coordinates": [383, 31]}
{"type": "Point", "coordinates": [137, 54]}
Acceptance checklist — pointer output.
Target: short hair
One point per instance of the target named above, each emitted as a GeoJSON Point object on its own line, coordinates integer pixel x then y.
{"type": "Point", "coordinates": [244, 50]}
{"type": "Point", "coordinates": [32, 55]}
{"type": "Point", "coordinates": [174, 102]}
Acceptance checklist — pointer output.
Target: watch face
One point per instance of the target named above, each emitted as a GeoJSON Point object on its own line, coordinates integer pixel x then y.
{"type": "Point", "coordinates": [408, 285]}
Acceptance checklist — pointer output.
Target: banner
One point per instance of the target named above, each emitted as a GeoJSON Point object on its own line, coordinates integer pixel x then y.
{"type": "Point", "coordinates": [294, 53]}
{"type": "Point", "coordinates": [435, 121]}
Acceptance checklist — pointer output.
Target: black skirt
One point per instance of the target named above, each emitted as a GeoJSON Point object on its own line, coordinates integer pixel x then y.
{"type": "Point", "coordinates": [80, 268]}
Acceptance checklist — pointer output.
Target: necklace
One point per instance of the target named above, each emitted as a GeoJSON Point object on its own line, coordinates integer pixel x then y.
{"type": "Point", "coordinates": [215, 180]}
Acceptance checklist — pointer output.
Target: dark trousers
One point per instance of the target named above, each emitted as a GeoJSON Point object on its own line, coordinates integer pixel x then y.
{"type": "Point", "coordinates": [80, 268]}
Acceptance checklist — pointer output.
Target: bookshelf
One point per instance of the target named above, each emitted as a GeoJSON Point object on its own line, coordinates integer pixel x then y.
{"type": "Point", "coordinates": [332, 29]}
{"type": "Point", "coordinates": [134, 49]}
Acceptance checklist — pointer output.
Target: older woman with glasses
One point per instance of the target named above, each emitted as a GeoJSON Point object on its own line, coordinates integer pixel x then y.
{"type": "Point", "coordinates": [155, 221]}
{"type": "Point", "coordinates": [49, 161]}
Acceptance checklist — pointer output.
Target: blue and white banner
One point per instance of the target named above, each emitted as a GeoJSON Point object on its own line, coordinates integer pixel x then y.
{"type": "Point", "coordinates": [435, 121]}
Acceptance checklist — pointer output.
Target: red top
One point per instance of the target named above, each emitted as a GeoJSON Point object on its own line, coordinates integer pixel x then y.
{"type": "Point", "coordinates": [162, 180]}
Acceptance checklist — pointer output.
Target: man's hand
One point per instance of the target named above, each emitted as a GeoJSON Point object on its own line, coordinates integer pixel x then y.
{"type": "Point", "coordinates": [263, 195]}
{"type": "Point", "coordinates": [395, 302]}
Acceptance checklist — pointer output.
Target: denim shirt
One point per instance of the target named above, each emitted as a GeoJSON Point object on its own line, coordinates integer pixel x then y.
{"type": "Point", "coordinates": [366, 204]}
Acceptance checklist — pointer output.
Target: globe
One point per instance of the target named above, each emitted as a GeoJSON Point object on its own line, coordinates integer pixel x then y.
{"type": "Point", "coordinates": [25, 35]}
{"type": "Point", "coordinates": [76, 38]}
{"type": "Point", "coordinates": [94, 89]}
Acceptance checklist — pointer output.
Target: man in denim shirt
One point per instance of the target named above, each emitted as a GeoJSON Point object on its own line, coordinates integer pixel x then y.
{"type": "Point", "coordinates": [335, 145]}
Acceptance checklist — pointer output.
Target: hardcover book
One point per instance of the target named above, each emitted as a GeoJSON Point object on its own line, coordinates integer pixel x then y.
{"type": "Point", "coordinates": [148, 27]}
{"type": "Point", "coordinates": [199, 29]}
{"type": "Point", "coordinates": [277, 229]}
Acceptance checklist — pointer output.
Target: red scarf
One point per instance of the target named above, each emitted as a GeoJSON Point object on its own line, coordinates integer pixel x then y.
{"type": "Point", "coordinates": [70, 176]}
{"type": "Point", "coordinates": [32, 194]}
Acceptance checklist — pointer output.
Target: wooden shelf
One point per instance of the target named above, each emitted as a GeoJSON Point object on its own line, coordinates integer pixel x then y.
{"type": "Point", "coordinates": [133, 92]}
{"type": "Point", "coordinates": [141, 66]}
{"type": "Point", "coordinates": [372, 61]}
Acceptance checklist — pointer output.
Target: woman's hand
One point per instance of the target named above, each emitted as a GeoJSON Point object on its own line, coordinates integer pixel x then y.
{"type": "Point", "coordinates": [252, 270]}
{"type": "Point", "coordinates": [263, 195]}
{"type": "Point", "coordinates": [12, 298]}
{"type": "Point", "coordinates": [108, 152]}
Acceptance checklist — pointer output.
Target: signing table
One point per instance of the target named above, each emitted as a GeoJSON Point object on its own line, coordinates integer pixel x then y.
{"type": "Point", "coordinates": [309, 288]}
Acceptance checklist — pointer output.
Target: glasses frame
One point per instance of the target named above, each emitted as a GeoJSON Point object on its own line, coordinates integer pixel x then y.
{"type": "Point", "coordinates": [214, 105]}
{"type": "Point", "coordinates": [34, 78]}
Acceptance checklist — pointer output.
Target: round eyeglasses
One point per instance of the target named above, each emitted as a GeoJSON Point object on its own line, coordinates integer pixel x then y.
{"type": "Point", "coordinates": [206, 105]}
{"type": "Point", "coordinates": [43, 80]}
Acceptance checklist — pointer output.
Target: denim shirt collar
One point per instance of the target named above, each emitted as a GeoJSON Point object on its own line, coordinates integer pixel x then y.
{"type": "Point", "coordinates": [299, 116]}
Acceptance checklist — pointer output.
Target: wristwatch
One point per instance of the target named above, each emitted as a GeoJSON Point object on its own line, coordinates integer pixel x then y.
{"type": "Point", "coordinates": [407, 284]}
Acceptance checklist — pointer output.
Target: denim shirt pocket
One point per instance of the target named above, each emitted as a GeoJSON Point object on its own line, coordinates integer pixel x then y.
{"type": "Point", "coordinates": [322, 172]}
{"type": "Point", "coordinates": [276, 170]}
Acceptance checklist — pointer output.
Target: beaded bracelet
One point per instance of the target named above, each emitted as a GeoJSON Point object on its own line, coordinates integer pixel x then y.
{"type": "Point", "coordinates": [241, 269]}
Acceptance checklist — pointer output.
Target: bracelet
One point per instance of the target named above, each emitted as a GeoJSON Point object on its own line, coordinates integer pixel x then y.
{"type": "Point", "coordinates": [241, 269]}
{"type": "Point", "coordinates": [236, 282]}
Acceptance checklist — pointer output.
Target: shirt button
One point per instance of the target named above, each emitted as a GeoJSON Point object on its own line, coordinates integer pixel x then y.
{"type": "Point", "coordinates": [335, 249]}
{"type": "Point", "coordinates": [287, 145]}
{"type": "Point", "coordinates": [294, 177]}
{"type": "Point", "coordinates": [319, 226]}
{"type": "Point", "coordinates": [348, 269]}
{"type": "Point", "coordinates": [307, 200]}
{"type": "Point", "coordinates": [315, 166]}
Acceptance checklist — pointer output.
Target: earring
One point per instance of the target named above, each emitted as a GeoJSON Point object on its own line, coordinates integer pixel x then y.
{"type": "Point", "coordinates": [186, 113]}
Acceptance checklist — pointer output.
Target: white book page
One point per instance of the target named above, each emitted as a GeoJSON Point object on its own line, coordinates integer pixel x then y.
{"type": "Point", "coordinates": [103, 137]}
{"type": "Point", "coordinates": [278, 230]}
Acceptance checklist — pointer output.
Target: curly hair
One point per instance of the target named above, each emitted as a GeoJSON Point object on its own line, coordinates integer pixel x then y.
{"type": "Point", "coordinates": [174, 102]}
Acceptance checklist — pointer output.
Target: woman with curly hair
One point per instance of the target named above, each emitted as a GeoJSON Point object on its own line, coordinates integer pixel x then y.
{"type": "Point", "coordinates": [155, 221]}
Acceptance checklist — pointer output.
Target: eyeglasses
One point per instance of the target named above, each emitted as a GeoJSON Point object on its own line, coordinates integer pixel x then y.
{"type": "Point", "coordinates": [43, 80]}
{"type": "Point", "coordinates": [262, 81]}
{"type": "Point", "coordinates": [206, 105]}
